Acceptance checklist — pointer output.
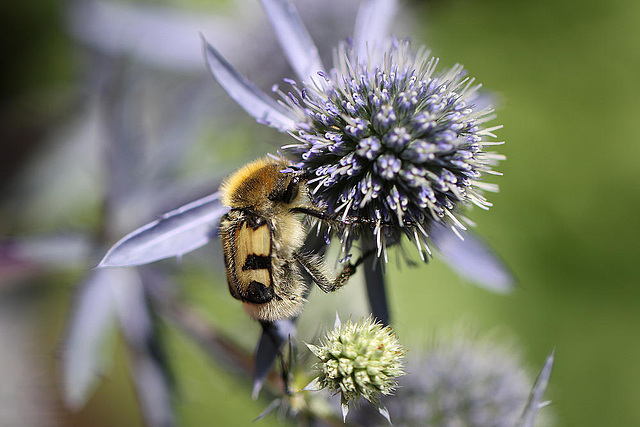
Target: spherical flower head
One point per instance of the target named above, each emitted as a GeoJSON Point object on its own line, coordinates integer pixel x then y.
{"type": "Point", "coordinates": [392, 145]}
{"type": "Point", "coordinates": [357, 360]}
{"type": "Point", "coordinates": [461, 382]}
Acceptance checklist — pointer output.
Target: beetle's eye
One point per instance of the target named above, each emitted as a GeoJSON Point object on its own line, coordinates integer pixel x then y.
{"type": "Point", "coordinates": [292, 191]}
{"type": "Point", "coordinates": [282, 194]}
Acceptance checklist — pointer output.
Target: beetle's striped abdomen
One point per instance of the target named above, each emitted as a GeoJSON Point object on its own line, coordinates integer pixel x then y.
{"type": "Point", "coordinates": [247, 245]}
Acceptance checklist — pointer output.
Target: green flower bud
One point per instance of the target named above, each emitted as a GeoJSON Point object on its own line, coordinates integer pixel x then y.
{"type": "Point", "coordinates": [359, 360]}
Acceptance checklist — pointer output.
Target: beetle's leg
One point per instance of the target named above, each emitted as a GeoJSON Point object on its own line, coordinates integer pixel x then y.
{"type": "Point", "coordinates": [330, 218]}
{"type": "Point", "coordinates": [313, 266]}
{"type": "Point", "coordinates": [278, 343]}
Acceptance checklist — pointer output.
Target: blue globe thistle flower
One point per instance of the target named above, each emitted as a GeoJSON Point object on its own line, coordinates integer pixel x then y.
{"type": "Point", "coordinates": [392, 145]}
{"type": "Point", "coordinates": [389, 145]}
{"type": "Point", "coordinates": [465, 381]}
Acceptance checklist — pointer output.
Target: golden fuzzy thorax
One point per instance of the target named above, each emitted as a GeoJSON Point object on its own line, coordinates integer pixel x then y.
{"type": "Point", "coordinates": [250, 186]}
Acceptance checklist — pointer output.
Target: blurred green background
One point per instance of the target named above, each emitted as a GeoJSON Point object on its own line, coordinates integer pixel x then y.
{"type": "Point", "coordinates": [566, 75]}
